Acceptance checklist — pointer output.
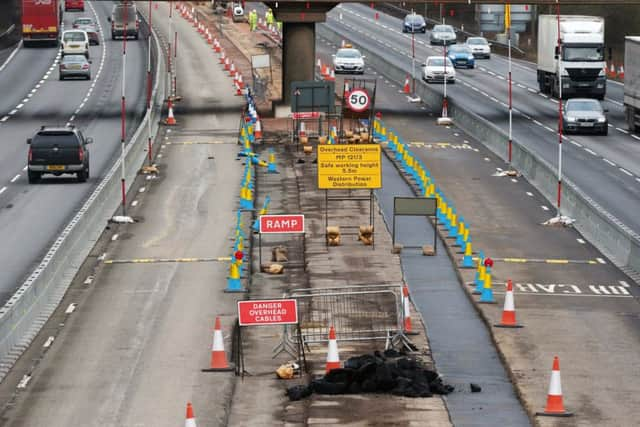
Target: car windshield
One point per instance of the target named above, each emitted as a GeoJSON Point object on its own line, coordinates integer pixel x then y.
{"type": "Point", "coordinates": [73, 58]}
{"type": "Point", "coordinates": [583, 53]}
{"type": "Point", "coordinates": [414, 19]}
{"type": "Point", "coordinates": [477, 40]}
{"type": "Point", "coordinates": [49, 139]}
{"type": "Point", "coordinates": [459, 49]}
{"type": "Point", "coordinates": [348, 53]}
{"type": "Point", "coordinates": [83, 21]}
{"type": "Point", "coordinates": [442, 29]}
{"type": "Point", "coordinates": [586, 105]}
{"type": "Point", "coordinates": [118, 13]}
{"type": "Point", "coordinates": [438, 62]}
{"type": "Point", "coordinates": [75, 36]}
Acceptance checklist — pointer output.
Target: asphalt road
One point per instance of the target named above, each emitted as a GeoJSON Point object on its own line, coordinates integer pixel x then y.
{"type": "Point", "coordinates": [31, 216]}
{"type": "Point", "coordinates": [606, 168]}
{"type": "Point", "coordinates": [566, 308]}
{"type": "Point", "coordinates": [131, 353]}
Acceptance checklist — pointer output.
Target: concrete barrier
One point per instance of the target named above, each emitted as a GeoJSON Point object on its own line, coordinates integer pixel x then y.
{"type": "Point", "coordinates": [22, 317]}
{"type": "Point", "coordinates": [615, 240]}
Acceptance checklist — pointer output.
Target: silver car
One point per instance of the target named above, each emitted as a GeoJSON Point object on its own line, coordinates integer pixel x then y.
{"type": "Point", "coordinates": [87, 24]}
{"type": "Point", "coordinates": [584, 115]}
{"type": "Point", "coordinates": [75, 66]}
{"type": "Point", "coordinates": [348, 60]}
{"type": "Point", "coordinates": [443, 34]}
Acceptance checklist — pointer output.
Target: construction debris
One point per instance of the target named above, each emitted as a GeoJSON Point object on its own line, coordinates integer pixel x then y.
{"type": "Point", "coordinates": [280, 254]}
{"type": "Point", "coordinates": [390, 372]}
{"type": "Point", "coordinates": [288, 370]}
{"type": "Point", "coordinates": [272, 268]}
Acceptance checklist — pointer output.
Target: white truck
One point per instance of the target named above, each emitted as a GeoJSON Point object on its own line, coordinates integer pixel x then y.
{"type": "Point", "coordinates": [632, 82]}
{"type": "Point", "coordinates": [581, 65]}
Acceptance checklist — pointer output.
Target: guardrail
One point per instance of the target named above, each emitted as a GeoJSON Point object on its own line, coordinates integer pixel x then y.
{"type": "Point", "coordinates": [614, 239]}
{"type": "Point", "coordinates": [30, 307]}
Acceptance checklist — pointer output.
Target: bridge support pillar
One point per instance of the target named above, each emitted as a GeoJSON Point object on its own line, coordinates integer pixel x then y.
{"type": "Point", "coordinates": [298, 55]}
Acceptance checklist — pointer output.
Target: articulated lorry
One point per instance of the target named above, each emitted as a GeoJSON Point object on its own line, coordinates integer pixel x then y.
{"type": "Point", "coordinates": [41, 20]}
{"type": "Point", "coordinates": [581, 65]}
{"type": "Point", "coordinates": [632, 82]}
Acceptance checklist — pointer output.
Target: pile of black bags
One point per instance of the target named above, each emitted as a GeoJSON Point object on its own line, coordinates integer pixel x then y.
{"type": "Point", "coordinates": [390, 372]}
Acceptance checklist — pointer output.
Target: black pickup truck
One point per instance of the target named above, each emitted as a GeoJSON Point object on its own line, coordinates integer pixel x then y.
{"type": "Point", "coordinates": [57, 151]}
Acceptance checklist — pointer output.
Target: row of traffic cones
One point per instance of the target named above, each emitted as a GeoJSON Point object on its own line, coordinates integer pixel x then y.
{"type": "Point", "coordinates": [614, 73]}
{"type": "Point", "coordinates": [326, 72]}
{"type": "Point", "coordinates": [457, 229]}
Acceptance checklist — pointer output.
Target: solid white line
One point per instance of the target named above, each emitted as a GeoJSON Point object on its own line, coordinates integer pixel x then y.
{"type": "Point", "coordinates": [609, 162]}
{"type": "Point", "coordinates": [15, 178]}
{"type": "Point", "coordinates": [12, 112]}
{"type": "Point", "coordinates": [638, 179]}
{"type": "Point", "coordinates": [626, 171]}
{"type": "Point", "coordinates": [601, 261]}
{"type": "Point", "coordinates": [25, 168]}
{"type": "Point", "coordinates": [549, 129]}
{"type": "Point", "coordinates": [520, 85]}
{"type": "Point", "coordinates": [543, 95]}
{"type": "Point", "coordinates": [3, 189]}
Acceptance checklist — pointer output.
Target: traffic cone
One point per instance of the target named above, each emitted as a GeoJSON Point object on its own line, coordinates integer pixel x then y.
{"type": "Point", "coordinates": [612, 70]}
{"type": "Point", "coordinates": [227, 64]}
{"type": "Point", "coordinates": [257, 132]}
{"type": "Point", "coordinates": [325, 70]}
{"type": "Point", "coordinates": [555, 406]}
{"type": "Point", "coordinates": [271, 165]}
{"type": "Point", "coordinates": [407, 86]}
{"type": "Point", "coordinates": [240, 81]}
{"type": "Point", "coordinates": [467, 259]}
{"type": "Point", "coordinates": [332, 75]}
{"type": "Point", "coordinates": [621, 72]}
{"type": "Point", "coordinates": [219, 361]}
{"type": "Point", "coordinates": [170, 120]}
{"type": "Point", "coordinates": [222, 56]}
{"type": "Point", "coordinates": [234, 284]}
{"type": "Point", "coordinates": [319, 64]}
{"type": "Point", "coordinates": [238, 89]}
{"type": "Point", "coordinates": [232, 69]}
{"type": "Point", "coordinates": [216, 46]}
{"type": "Point", "coordinates": [333, 357]}
{"type": "Point", "coordinates": [406, 306]}
{"type": "Point", "coordinates": [487, 292]}
{"type": "Point", "coordinates": [190, 420]}
{"type": "Point", "coordinates": [509, 310]}
{"type": "Point", "coordinates": [302, 131]}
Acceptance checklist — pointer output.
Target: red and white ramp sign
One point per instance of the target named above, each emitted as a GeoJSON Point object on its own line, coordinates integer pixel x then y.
{"type": "Point", "coordinates": [281, 223]}
{"type": "Point", "coordinates": [268, 312]}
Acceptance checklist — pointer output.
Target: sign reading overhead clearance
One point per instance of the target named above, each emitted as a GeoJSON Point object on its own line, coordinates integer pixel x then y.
{"type": "Point", "coordinates": [349, 166]}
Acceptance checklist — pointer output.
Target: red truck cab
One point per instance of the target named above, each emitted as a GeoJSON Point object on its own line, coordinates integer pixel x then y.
{"type": "Point", "coordinates": [41, 21]}
{"type": "Point", "coordinates": [74, 5]}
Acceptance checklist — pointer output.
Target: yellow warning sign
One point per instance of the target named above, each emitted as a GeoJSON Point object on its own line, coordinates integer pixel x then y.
{"type": "Point", "coordinates": [352, 166]}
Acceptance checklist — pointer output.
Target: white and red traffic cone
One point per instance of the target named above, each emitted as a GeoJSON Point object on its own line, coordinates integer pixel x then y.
{"type": "Point", "coordinates": [319, 64]}
{"type": "Point", "coordinates": [209, 37]}
{"type": "Point", "coordinates": [223, 56]}
{"type": "Point", "coordinates": [170, 120]}
{"type": "Point", "coordinates": [190, 420]}
{"type": "Point", "coordinates": [621, 72]}
{"type": "Point", "coordinates": [238, 89]}
{"type": "Point", "coordinates": [219, 361]}
{"type": "Point", "coordinates": [240, 81]}
{"type": "Point", "coordinates": [302, 131]}
{"type": "Point", "coordinates": [407, 86]}
{"type": "Point", "coordinates": [232, 70]}
{"type": "Point", "coordinates": [555, 405]}
{"type": "Point", "coordinates": [257, 131]}
{"type": "Point", "coordinates": [332, 76]}
{"type": "Point", "coordinates": [444, 120]}
{"type": "Point", "coordinates": [216, 45]}
{"type": "Point", "coordinates": [406, 308]}
{"type": "Point", "coordinates": [509, 311]}
{"type": "Point", "coordinates": [333, 357]}
{"type": "Point", "coordinates": [227, 64]}
{"type": "Point", "coordinates": [612, 70]}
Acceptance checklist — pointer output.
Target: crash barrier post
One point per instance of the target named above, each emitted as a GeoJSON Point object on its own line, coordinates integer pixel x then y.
{"type": "Point", "coordinates": [358, 313]}
{"type": "Point", "coordinates": [25, 313]}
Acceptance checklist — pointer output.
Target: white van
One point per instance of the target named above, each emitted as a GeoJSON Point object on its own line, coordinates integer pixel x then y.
{"type": "Point", "coordinates": [75, 42]}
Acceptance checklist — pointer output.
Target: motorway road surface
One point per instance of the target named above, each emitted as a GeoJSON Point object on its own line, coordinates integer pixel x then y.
{"type": "Point", "coordinates": [31, 216]}
{"type": "Point", "coordinates": [131, 353]}
{"type": "Point", "coordinates": [606, 168]}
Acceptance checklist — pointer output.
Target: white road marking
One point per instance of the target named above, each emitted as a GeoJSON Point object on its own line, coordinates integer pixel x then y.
{"type": "Point", "coordinates": [590, 151]}
{"type": "Point", "coordinates": [529, 193]}
{"type": "Point", "coordinates": [71, 308]}
{"type": "Point", "coordinates": [4, 119]}
{"type": "Point", "coordinates": [15, 178]}
{"type": "Point", "coordinates": [114, 237]}
{"type": "Point", "coordinates": [134, 203]}
{"type": "Point", "coordinates": [624, 283]}
{"type": "Point", "coordinates": [19, 106]}
{"type": "Point", "coordinates": [543, 95]}
{"type": "Point", "coordinates": [141, 190]}
{"type": "Point", "coordinates": [577, 144]}
{"type": "Point", "coordinates": [12, 112]}
{"type": "Point", "coordinates": [514, 180]}
{"type": "Point", "coordinates": [626, 132]}
{"type": "Point", "coordinates": [635, 137]}
{"type": "Point", "coordinates": [24, 381]}
{"type": "Point", "coordinates": [3, 189]}
{"type": "Point", "coordinates": [549, 129]}
{"type": "Point", "coordinates": [609, 162]}
{"type": "Point", "coordinates": [601, 261]}
{"type": "Point", "coordinates": [626, 172]}
{"type": "Point", "coordinates": [581, 241]}
{"type": "Point", "coordinates": [49, 341]}
{"type": "Point", "coordinates": [520, 85]}
{"type": "Point", "coordinates": [532, 90]}
{"type": "Point", "coordinates": [544, 207]}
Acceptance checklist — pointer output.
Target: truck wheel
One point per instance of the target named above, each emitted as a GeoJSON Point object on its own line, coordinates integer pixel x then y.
{"type": "Point", "coordinates": [33, 177]}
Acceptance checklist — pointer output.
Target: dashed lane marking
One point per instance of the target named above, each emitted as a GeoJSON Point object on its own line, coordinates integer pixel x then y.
{"type": "Point", "coordinates": [164, 260]}
{"type": "Point", "coordinates": [581, 241]}
{"type": "Point", "coordinates": [626, 172]}
{"type": "Point", "coordinates": [15, 178]}
{"type": "Point", "coordinates": [198, 142]}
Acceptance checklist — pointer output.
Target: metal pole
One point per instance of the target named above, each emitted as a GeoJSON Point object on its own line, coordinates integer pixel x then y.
{"type": "Point", "coordinates": [559, 112]}
{"type": "Point", "coordinates": [149, 152]}
{"type": "Point", "coordinates": [510, 94]}
{"type": "Point", "coordinates": [169, 70]}
{"type": "Point", "coordinates": [123, 114]}
{"type": "Point", "coordinates": [175, 65]}
{"type": "Point", "coordinates": [444, 76]}
{"type": "Point", "coordinates": [413, 61]}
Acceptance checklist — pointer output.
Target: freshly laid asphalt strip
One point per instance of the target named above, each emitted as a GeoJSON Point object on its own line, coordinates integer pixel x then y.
{"type": "Point", "coordinates": [461, 347]}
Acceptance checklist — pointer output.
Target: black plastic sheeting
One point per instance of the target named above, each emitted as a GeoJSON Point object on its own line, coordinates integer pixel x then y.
{"type": "Point", "coordinates": [388, 372]}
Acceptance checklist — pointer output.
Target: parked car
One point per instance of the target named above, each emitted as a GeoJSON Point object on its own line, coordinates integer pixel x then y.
{"type": "Point", "coordinates": [348, 60]}
{"type": "Point", "coordinates": [74, 66]}
{"type": "Point", "coordinates": [461, 56]}
{"type": "Point", "coordinates": [87, 24]}
{"type": "Point", "coordinates": [414, 23]}
{"type": "Point", "coordinates": [435, 69]}
{"type": "Point", "coordinates": [584, 115]}
{"type": "Point", "coordinates": [480, 47]}
{"type": "Point", "coordinates": [117, 19]}
{"type": "Point", "coordinates": [74, 5]}
{"type": "Point", "coordinates": [442, 34]}
{"type": "Point", "coordinates": [75, 42]}
{"type": "Point", "coordinates": [57, 151]}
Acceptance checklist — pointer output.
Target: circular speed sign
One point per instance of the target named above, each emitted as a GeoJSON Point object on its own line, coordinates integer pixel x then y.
{"type": "Point", "coordinates": [358, 100]}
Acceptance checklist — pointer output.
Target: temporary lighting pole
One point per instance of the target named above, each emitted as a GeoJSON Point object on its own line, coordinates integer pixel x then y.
{"type": "Point", "coordinates": [169, 70]}
{"type": "Point", "coordinates": [123, 113]}
{"type": "Point", "coordinates": [149, 83]}
{"type": "Point", "coordinates": [413, 60]}
{"type": "Point", "coordinates": [175, 65]}
{"type": "Point", "coordinates": [559, 112]}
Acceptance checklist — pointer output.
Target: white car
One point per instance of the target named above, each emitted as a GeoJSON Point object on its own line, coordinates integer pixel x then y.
{"type": "Point", "coordinates": [75, 42]}
{"type": "Point", "coordinates": [434, 70]}
{"type": "Point", "coordinates": [348, 60]}
{"type": "Point", "coordinates": [480, 47]}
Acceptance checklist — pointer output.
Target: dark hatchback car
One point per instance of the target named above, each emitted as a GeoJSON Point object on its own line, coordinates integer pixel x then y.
{"type": "Point", "coordinates": [414, 23]}
{"type": "Point", "coordinates": [57, 151]}
{"type": "Point", "coordinates": [584, 115]}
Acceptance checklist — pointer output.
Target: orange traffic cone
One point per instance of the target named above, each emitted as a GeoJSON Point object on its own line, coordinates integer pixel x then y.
{"type": "Point", "coordinates": [406, 305]}
{"type": "Point", "coordinates": [621, 72]}
{"type": "Point", "coordinates": [216, 45]}
{"type": "Point", "coordinates": [257, 132]}
{"type": "Point", "coordinates": [333, 358]}
{"type": "Point", "coordinates": [240, 82]}
{"type": "Point", "coordinates": [332, 75]}
{"type": "Point", "coordinates": [407, 87]}
{"type": "Point", "coordinates": [232, 70]}
{"type": "Point", "coordinates": [227, 63]}
{"type": "Point", "coordinates": [218, 356]}
{"type": "Point", "coordinates": [209, 37]}
{"type": "Point", "coordinates": [555, 406]}
{"type": "Point", "coordinates": [509, 310]}
{"type": "Point", "coordinates": [238, 90]}
{"type": "Point", "coordinates": [190, 420]}
{"type": "Point", "coordinates": [319, 64]}
{"type": "Point", "coordinates": [170, 120]}
{"type": "Point", "coordinates": [612, 70]}
{"type": "Point", "coordinates": [302, 131]}
{"type": "Point", "coordinates": [223, 57]}
{"type": "Point", "coordinates": [325, 71]}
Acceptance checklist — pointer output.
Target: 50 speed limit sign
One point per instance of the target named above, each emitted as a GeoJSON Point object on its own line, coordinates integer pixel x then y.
{"type": "Point", "coordinates": [358, 100]}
